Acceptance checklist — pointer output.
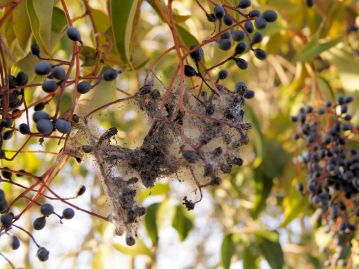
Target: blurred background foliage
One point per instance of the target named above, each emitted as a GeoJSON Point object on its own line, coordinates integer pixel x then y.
{"type": "Point", "coordinates": [256, 218]}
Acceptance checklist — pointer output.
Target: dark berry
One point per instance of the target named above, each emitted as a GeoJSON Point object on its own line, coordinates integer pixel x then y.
{"type": "Point", "coordinates": [7, 135]}
{"type": "Point", "coordinates": [257, 38]}
{"type": "Point", "coordinates": [219, 12]}
{"type": "Point", "coordinates": [110, 74]}
{"type": "Point", "coordinates": [130, 241]}
{"type": "Point", "coordinates": [241, 47]}
{"type": "Point", "coordinates": [211, 17]}
{"type": "Point", "coordinates": [43, 254]}
{"type": "Point", "coordinates": [49, 86]}
{"type": "Point", "coordinates": [24, 128]}
{"type": "Point", "coordinates": [58, 73]}
{"type": "Point", "coordinates": [46, 209]}
{"type": "Point", "coordinates": [260, 54]}
{"type": "Point", "coordinates": [63, 126]}
{"type": "Point", "coordinates": [83, 87]}
{"type": "Point", "coordinates": [39, 115]}
{"type": "Point", "coordinates": [44, 126]}
{"type": "Point", "coordinates": [238, 35]}
{"type": "Point", "coordinates": [35, 49]}
{"type": "Point", "coordinates": [224, 44]}
{"type": "Point", "coordinates": [244, 3]}
{"type": "Point", "coordinates": [260, 23]}
{"type": "Point", "coordinates": [248, 25]}
{"type": "Point", "coordinates": [39, 106]}
{"type": "Point", "coordinates": [270, 15]}
{"type": "Point", "coordinates": [226, 35]}
{"type": "Point", "coordinates": [73, 33]}
{"type": "Point", "coordinates": [6, 220]}
{"type": "Point", "coordinates": [6, 122]}
{"type": "Point", "coordinates": [223, 74]}
{"type": "Point", "coordinates": [309, 3]}
{"type": "Point", "coordinates": [227, 20]}
{"type": "Point", "coordinates": [39, 223]}
{"type": "Point", "coordinates": [21, 78]}
{"type": "Point", "coordinates": [249, 94]}
{"type": "Point", "coordinates": [81, 190]}
{"type": "Point", "coordinates": [43, 68]}
{"type": "Point", "coordinates": [6, 174]}
{"type": "Point", "coordinates": [241, 63]}
{"type": "Point", "coordinates": [190, 156]}
{"type": "Point", "coordinates": [254, 13]}
{"type": "Point", "coordinates": [68, 213]}
{"type": "Point", "coordinates": [189, 71]}
{"type": "Point", "coordinates": [197, 54]}
{"type": "Point", "coordinates": [15, 242]}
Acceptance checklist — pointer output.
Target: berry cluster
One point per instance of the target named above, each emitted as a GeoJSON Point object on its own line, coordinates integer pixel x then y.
{"type": "Point", "coordinates": [36, 120]}
{"type": "Point", "coordinates": [332, 165]}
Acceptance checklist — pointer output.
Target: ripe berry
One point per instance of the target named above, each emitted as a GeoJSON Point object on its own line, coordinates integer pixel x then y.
{"type": "Point", "coordinates": [110, 74]}
{"type": "Point", "coordinates": [348, 99]}
{"type": "Point", "coordinates": [248, 25]}
{"type": "Point", "coordinates": [211, 17]}
{"type": "Point", "coordinates": [6, 174]}
{"type": "Point", "coordinates": [7, 135]}
{"type": "Point", "coordinates": [63, 126]}
{"type": "Point", "coordinates": [83, 87]}
{"type": "Point", "coordinates": [223, 74]}
{"type": "Point", "coordinates": [35, 49]}
{"type": "Point", "coordinates": [310, 3]}
{"type": "Point", "coordinates": [39, 115]}
{"type": "Point", "coordinates": [226, 35]}
{"type": "Point", "coordinates": [257, 37]}
{"type": "Point", "coordinates": [3, 206]}
{"type": "Point", "coordinates": [130, 241]}
{"type": "Point", "coordinates": [270, 15]}
{"type": "Point", "coordinates": [241, 63]}
{"type": "Point", "coordinates": [15, 242]}
{"type": "Point", "coordinates": [241, 47]}
{"type": "Point", "coordinates": [39, 223]}
{"type": "Point", "coordinates": [49, 86]}
{"type": "Point", "coordinates": [12, 82]}
{"type": "Point", "coordinates": [6, 122]}
{"type": "Point", "coordinates": [58, 73]}
{"type": "Point", "coordinates": [254, 13]}
{"type": "Point", "coordinates": [189, 71]}
{"type": "Point", "coordinates": [43, 68]}
{"type": "Point", "coordinates": [6, 220]}
{"type": "Point", "coordinates": [219, 12]}
{"type": "Point", "coordinates": [227, 20]}
{"type": "Point", "coordinates": [320, 111]}
{"type": "Point", "coordinates": [238, 35]}
{"type": "Point", "coordinates": [46, 209]}
{"type": "Point", "coordinates": [21, 78]}
{"type": "Point", "coordinates": [73, 33]}
{"type": "Point", "coordinates": [260, 54]}
{"type": "Point", "coordinates": [244, 3]}
{"type": "Point", "coordinates": [68, 213]}
{"type": "Point", "coordinates": [249, 94]}
{"type": "Point", "coordinates": [190, 156]}
{"type": "Point", "coordinates": [81, 190]}
{"type": "Point", "coordinates": [198, 54]}
{"type": "Point", "coordinates": [260, 23]}
{"type": "Point", "coordinates": [43, 254]}
{"type": "Point", "coordinates": [44, 126]}
{"type": "Point", "coordinates": [241, 87]}
{"type": "Point", "coordinates": [224, 44]}
{"type": "Point", "coordinates": [39, 106]}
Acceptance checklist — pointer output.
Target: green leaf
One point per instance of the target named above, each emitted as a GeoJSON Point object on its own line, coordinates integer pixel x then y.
{"type": "Point", "coordinates": [59, 21]}
{"type": "Point", "coordinates": [249, 257]}
{"type": "Point", "coordinates": [102, 94]}
{"type": "Point", "coordinates": [89, 56]}
{"type": "Point", "coordinates": [138, 249]}
{"type": "Point", "coordinates": [269, 246]}
{"type": "Point", "coordinates": [158, 189]}
{"type": "Point", "coordinates": [293, 204]}
{"type": "Point", "coordinates": [227, 251]}
{"type": "Point", "coordinates": [122, 17]}
{"type": "Point", "coordinates": [21, 25]}
{"type": "Point", "coordinates": [182, 222]}
{"type": "Point", "coordinates": [151, 222]}
{"type": "Point", "coordinates": [314, 48]}
{"type": "Point", "coordinates": [342, 58]}
{"type": "Point", "coordinates": [40, 15]}
{"type": "Point", "coordinates": [186, 36]}
{"type": "Point", "coordinates": [101, 20]}
{"type": "Point", "coordinates": [263, 187]}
